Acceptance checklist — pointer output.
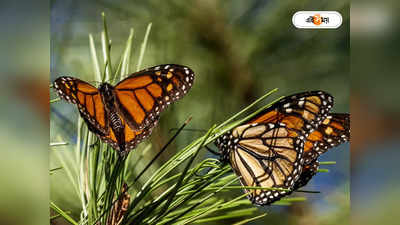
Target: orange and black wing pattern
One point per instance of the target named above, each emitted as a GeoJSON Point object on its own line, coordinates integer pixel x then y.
{"type": "Point", "coordinates": [333, 131]}
{"type": "Point", "coordinates": [131, 137]}
{"type": "Point", "coordinates": [94, 112]}
{"type": "Point", "coordinates": [302, 111]}
{"type": "Point", "coordinates": [267, 150]}
{"type": "Point", "coordinates": [142, 96]}
{"type": "Point", "coordinates": [124, 114]}
{"type": "Point", "coordinates": [87, 98]}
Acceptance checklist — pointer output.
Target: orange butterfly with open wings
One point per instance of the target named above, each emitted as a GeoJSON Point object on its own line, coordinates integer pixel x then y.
{"type": "Point", "coordinates": [124, 114]}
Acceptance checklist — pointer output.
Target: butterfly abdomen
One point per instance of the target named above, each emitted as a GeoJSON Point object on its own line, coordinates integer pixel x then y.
{"type": "Point", "coordinates": [118, 128]}
{"type": "Point", "coordinates": [115, 121]}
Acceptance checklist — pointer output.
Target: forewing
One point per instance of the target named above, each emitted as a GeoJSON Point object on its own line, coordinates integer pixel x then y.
{"type": "Point", "coordinates": [144, 95]}
{"type": "Point", "coordinates": [302, 111]}
{"type": "Point", "coordinates": [88, 100]}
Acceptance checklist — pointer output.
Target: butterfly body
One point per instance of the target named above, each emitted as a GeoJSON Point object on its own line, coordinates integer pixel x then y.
{"type": "Point", "coordinates": [114, 121]}
{"type": "Point", "coordinates": [124, 114]}
{"type": "Point", "coordinates": [278, 147]}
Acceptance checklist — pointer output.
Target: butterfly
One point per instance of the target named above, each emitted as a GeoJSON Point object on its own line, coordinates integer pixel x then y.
{"type": "Point", "coordinates": [279, 147]}
{"type": "Point", "coordinates": [125, 114]}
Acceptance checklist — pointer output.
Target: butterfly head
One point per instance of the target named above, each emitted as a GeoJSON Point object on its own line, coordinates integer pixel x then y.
{"type": "Point", "coordinates": [107, 91]}
{"type": "Point", "coordinates": [225, 144]}
{"type": "Point", "coordinates": [105, 87]}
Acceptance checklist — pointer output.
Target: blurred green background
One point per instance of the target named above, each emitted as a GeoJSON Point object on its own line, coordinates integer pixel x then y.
{"type": "Point", "coordinates": [238, 50]}
{"type": "Point", "coordinates": [375, 108]}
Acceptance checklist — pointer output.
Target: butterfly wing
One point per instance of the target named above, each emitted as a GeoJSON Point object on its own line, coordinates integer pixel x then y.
{"type": "Point", "coordinates": [144, 95]}
{"type": "Point", "coordinates": [266, 155]}
{"type": "Point", "coordinates": [88, 100]}
{"type": "Point", "coordinates": [262, 170]}
{"type": "Point", "coordinates": [132, 137]}
{"type": "Point", "coordinates": [307, 173]}
{"type": "Point", "coordinates": [334, 130]}
{"type": "Point", "coordinates": [303, 111]}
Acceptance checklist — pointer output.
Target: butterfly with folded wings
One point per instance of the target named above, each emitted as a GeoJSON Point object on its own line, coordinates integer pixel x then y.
{"type": "Point", "coordinates": [279, 147]}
